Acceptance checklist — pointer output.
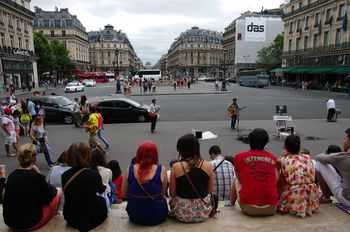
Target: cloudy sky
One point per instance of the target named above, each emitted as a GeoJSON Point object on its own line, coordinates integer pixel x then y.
{"type": "Point", "coordinates": [154, 24]}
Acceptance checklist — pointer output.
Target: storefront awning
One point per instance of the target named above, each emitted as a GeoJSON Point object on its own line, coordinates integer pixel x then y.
{"type": "Point", "coordinates": [320, 70]}
{"type": "Point", "coordinates": [282, 70]}
{"type": "Point", "coordinates": [301, 70]}
{"type": "Point", "coordinates": [341, 70]}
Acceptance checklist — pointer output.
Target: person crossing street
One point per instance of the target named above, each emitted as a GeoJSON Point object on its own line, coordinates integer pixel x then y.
{"type": "Point", "coordinates": [154, 109]}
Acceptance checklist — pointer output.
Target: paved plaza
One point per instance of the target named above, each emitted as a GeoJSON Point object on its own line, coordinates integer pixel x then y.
{"type": "Point", "coordinates": [125, 138]}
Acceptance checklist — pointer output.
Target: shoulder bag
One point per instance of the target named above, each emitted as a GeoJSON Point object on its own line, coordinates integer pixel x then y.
{"type": "Point", "coordinates": [221, 162]}
{"type": "Point", "coordinates": [213, 199]}
{"type": "Point", "coordinates": [72, 178]}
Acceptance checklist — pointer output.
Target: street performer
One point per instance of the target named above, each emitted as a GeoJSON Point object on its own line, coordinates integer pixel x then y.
{"type": "Point", "coordinates": [233, 112]}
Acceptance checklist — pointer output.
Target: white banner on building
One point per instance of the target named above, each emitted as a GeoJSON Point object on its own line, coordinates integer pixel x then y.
{"type": "Point", "coordinates": [255, 30]}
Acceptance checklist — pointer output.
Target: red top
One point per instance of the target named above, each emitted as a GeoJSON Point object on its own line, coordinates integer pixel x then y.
{"type": "Point", "coordinates": [100, 121]}
{"type": "Point", "coordinates": [118, 184]}
{"type": "Point", "coordinates": [257, 171]}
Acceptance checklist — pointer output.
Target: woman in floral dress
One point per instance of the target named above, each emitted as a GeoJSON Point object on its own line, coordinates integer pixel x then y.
{"type": "Point", "coordinates": [298, 193]}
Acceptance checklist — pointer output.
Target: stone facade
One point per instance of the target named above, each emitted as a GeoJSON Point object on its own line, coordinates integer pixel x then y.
{"type": "Point", "coordinates": [196, 52]}
{"type": "Point", "coordinates": [111, 50]}
{"type": "Point", "coordinates": [17, 59]}
{"type": "Point", "coordinates": [316, 41]}
{"type": "Point", "coordinates": [65, 27]}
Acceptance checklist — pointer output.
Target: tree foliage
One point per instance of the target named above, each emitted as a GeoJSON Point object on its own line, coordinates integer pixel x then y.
{"type": "Point", "coordinates": [53, 56]}
{"type": "Point", "coordinates": [271, 57]}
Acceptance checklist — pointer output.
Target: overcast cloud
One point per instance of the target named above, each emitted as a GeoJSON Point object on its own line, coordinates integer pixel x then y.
{"type": "Point", "coordinates": [154, 24]}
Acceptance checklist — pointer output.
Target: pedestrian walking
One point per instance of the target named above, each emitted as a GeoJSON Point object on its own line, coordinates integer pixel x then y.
{"type": "Point", "coordinates": [154, 109]}
{"type": "Point", "coordinates": [76, 111]}
{"type": "Point", "coordinates": [330, 109]}
{"type": "Point", "coordinates": [174, 84]}
{"type": "Point", "coordinates": [38, 135]}
{"type": "Point", "coordinates": [100, 128]}
{"type": "Point", "coordinates": [84, 108]}
{"type": "Point", "coordinates": [217, 85]}
{"type": "Point", "coordinates": [188, 83]}
{"type": "Point", "coordinates": [9, 132]}
{"type": "Point", "coordinates": [91, 127]}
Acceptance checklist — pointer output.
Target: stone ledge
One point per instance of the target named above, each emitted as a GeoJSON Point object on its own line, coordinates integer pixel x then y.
{"type": "Point", "coordinates": [329, 218]}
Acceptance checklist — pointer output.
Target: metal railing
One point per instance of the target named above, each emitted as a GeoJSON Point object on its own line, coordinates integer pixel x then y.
{"type": "Point", "coordinates": [345, 45]}
{"type": "Point", "coordinates": [304, 8]}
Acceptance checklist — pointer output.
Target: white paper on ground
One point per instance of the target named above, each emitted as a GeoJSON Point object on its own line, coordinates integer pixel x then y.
{"type": "Point", "coordinates": [208, 135]}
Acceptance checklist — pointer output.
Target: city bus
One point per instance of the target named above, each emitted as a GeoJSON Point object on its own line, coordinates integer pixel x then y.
{"type": "Point", "coordinates": [99, 77]}
{"type": "Point", "coordinates": [259, 80]}
{"type": "Point", "coordinates": [148, 74]}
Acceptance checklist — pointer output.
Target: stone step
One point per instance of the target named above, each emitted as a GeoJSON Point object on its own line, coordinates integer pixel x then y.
{"type": "Point", "coordinates": [329, 218]}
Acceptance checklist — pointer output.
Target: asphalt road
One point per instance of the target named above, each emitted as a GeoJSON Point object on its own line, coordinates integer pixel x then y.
{"type": "Point", "coordinates": [180, 113]}
{"type": "Point", "coordinates": [260, 103]}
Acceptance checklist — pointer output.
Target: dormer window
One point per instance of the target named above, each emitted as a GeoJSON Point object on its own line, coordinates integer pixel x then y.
{"type": "Point", "coordinates": [52, 23]}
{"type": "Point", "coordinates": [63, 23]}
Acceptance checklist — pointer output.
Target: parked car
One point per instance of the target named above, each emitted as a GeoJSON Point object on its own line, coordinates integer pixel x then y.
{"type": "Point", "coordinates": [74, 87]}
{"type": "Point", "coordinates": [57, 108]}
{"type": "Point", "coordinates": [121, 109]}
{"type": "Point", "coordinates": [89, 83]}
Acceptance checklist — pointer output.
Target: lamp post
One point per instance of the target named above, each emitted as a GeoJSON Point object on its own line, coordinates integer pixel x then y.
{"type": "Point", "coordinates": [118, 91]}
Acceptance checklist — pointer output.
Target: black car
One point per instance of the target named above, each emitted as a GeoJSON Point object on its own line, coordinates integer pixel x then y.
{"type": "Point", "coordinates": [57, 108]}
{"type": "Point", "coordinates": [122, 110]}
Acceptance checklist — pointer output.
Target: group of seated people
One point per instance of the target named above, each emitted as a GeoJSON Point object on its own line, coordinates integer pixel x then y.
{"type": "Point", "coordinates": [259, 182]}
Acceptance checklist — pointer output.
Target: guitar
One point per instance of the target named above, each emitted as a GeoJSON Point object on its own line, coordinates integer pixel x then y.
{"type": "Point", "coordinates": [232, 111]}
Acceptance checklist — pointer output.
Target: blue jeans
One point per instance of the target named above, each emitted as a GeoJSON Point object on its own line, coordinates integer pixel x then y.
{"type": "Point", "coordinates": [233, 121]}
{"type": "Point", "coordinates": [99, 134]}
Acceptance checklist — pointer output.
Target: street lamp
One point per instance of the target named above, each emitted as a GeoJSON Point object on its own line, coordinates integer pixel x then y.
{"type": "Point", "coordinates": [117, 71]}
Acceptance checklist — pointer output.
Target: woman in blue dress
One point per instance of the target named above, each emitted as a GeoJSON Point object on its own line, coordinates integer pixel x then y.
{"type": "Point", "coordinates": [145, 187]}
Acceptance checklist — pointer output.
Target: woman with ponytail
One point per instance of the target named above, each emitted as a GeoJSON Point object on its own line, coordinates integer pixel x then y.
{"type": "Point", "coordinates": [145, 186]}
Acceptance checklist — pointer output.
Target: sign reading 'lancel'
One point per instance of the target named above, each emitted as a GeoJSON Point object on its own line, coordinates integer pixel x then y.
{"type": "Point", "coordinates": [21, 52]}
{"type": "Point", "coordinates": [255, 30]}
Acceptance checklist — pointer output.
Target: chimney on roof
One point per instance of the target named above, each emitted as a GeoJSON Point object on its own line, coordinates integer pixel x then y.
{"type": "Point", "coordinates": [56, 8]}
{"type": "Point", "coordinates": [64, 10]}
{"type": "Point", "coordinates": [37, 9]}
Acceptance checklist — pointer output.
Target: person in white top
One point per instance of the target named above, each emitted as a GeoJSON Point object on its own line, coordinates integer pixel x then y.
{"type": "Point", "coordinates": [330, 109]}
{"type": "Point", "coordinates": [153, 109]}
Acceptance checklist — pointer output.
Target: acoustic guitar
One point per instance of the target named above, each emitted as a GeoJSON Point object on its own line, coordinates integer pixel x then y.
{"type": "Point", "coordinates": [231, 111]}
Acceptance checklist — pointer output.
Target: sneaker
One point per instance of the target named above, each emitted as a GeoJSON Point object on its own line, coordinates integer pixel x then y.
{"type": "Point", "coordinates": [12, 155]}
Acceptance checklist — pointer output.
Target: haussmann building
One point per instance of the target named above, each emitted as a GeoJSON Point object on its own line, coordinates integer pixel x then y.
{"type": "Point", "coordinates": [316, 44]}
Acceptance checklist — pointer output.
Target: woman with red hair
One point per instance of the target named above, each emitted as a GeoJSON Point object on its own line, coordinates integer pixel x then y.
{"type": "Point", "coordinates": [145, 187]}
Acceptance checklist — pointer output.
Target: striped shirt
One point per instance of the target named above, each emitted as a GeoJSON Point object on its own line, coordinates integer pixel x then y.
{"type": "Point", "coordinates": [223, 178]}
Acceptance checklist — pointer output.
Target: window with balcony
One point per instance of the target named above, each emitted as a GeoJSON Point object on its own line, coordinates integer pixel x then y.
{"type": "Point", "coordinates": [307, 23]}
{"type": "Point", "coordinates": [316, 41]}
{"type": "Point", "coordinates": [25, 26]}
{"type": "Point", "coordinates": [300, 4]}
{"type": "Point", "coordinates": [341, 11]}
{"type": "Point", "coordinates": [299, 25]}
{"type": "Point", "coordinates": [338, 35]}
{"type": "Point", "coordinates": [328, 16]}
{"type": "Point", "coordinates": [297, 44]}
{"type": "Point", "coordinates": [11, 41]}
{"type": "Point", "coordinates": [18, 23]}
{"type": "Point", "coordinates": [26, 46]}
{"type": "Point", "coordinates": [52, 33]}
{"type": "Point", "coordinates": [2, 40]}
{"type": "Point", "coordinates": [317, 19]}
{"type": "Point", "coordinates": [20, 42]}
{"type": "Point", "coordinates": [326, 38]}
{"type": "Point", "coordinates": [290, 27]}
{"type": "Point", "coordinates": [63, 33]}
{"type": "Point", "coordinates": [290, 45]}
{"type": "Point", "coordinates": [9, 21]}
{"type": "Point", "coordinates": [1, 18]}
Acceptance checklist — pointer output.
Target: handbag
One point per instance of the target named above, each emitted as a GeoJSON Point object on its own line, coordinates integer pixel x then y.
{"type": "Point", "coordinates": [72, 178]}
{"type": "Point", "coordinates": [213, 198]}
{"type": "Point", "coordinates": [153, 115]}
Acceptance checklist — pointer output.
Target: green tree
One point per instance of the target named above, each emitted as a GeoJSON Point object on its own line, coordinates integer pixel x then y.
{"type": "Point", "coordinates": [45, 53]}
{"type": "Point", "coordinates": [271, 57]}
{"type": "Point", "coordinates": [61, 57]}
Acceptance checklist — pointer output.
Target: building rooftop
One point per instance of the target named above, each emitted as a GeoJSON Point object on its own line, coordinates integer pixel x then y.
{"type": "Point", "coordinates": [56, 19]}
